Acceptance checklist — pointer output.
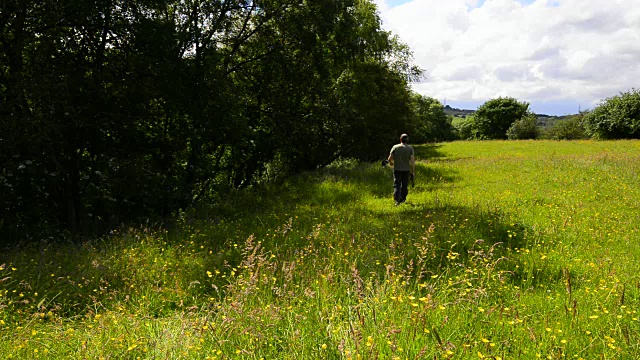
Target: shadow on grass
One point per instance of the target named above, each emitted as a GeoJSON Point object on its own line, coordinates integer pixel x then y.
{"type": "Point", "coordinates": [357, 200]}
{"type": "Point", "coordinates": [426, 152]}
{"type": "Point", "coordinates": [347, 205]}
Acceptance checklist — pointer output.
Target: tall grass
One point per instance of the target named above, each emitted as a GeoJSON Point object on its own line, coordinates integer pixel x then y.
{"type": "Point", "coordinates": [504, 250]}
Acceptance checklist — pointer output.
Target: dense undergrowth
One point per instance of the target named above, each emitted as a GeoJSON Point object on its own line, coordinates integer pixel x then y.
{"type": "Point", "coordinates": [504, 250]}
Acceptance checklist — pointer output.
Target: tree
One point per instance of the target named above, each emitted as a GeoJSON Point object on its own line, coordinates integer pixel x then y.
{"type": "Point", "coordinates": [617, 117]}
{"type": "Point", "coordinates": [431, 122]}
{"type": "Point", "coordinates": [494, 117]}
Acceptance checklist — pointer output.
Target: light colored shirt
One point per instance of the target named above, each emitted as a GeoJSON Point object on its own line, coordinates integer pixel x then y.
{"type": "Point", "coordinates": [402, 154]}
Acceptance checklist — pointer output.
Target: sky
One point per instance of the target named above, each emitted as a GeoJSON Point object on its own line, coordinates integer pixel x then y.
{"type": "Point", "coordinates": [560, 56]}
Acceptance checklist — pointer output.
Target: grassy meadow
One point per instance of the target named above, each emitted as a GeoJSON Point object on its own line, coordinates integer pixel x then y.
{"type": "Point", "coordinates": [504, 250]}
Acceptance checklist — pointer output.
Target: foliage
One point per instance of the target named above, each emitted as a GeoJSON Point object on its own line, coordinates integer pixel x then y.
{"type": "Point", "coordinates": [571, 128]}
{"type": "Point", "coordinates": [505, 250]}
{"type": "Point", "coordinates": [495, 117]}
{"type": "Point", "coordinates": [432, 123]}
{"type": "Point", "coordinates": [464, 128]}
{"type": "Point", "coordinates": [117, 110]}
{"type": "Point", "coordinates": [524, 129]}
{"type": "Point", "coordinates": [617, 117]}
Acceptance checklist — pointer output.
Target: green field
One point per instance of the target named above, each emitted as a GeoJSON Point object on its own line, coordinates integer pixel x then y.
{"type": "Point", "coordinates": [504, 250]}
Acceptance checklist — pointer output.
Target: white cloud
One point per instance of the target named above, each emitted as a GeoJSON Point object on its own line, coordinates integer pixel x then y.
{"type": "Point", "coordinates": [541, 51]}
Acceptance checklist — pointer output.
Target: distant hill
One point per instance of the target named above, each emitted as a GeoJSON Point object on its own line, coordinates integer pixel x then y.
{"type": "Point", "coordinates": [544, 120]}
{"type": "Point", "coordinates": [549, 120]}
{"type": "Point", "coordinates": [461, 113]}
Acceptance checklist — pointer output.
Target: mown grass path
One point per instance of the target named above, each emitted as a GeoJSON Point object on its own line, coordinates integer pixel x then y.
{"type": "Point", "coordinates": [504, 250]}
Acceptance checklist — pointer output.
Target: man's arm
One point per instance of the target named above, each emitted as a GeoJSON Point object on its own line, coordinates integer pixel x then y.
{"type": "Point", "coordinates": [413, 164]}
{"type": "Point", "coordinates": [390, 159]}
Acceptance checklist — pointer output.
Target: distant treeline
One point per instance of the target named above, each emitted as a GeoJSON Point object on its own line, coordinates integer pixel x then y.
{"type": "Point", "coordinates": [543, 119]}
{"type": "Point", "coordinates": [617, 117]}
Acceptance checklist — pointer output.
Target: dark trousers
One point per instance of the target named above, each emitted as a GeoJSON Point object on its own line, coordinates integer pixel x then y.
{"type": "Point", "coordinates": [400, 185]}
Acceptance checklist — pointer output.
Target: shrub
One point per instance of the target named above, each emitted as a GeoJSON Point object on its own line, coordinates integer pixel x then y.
{"type": "Point", "coordinates": [617, 117]}
{"type": "Point", "coordinates": [570, 128]}
{"type": "Point", "coordinates": [525, 128]}
{"type": "Point", "coordinates": [464, 128]}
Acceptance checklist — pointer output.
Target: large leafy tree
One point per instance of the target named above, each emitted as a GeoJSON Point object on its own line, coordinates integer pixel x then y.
{"type": "Point", "coordinates": [617, 117]}
{"type": "Point", "coordinates": [495, 117]}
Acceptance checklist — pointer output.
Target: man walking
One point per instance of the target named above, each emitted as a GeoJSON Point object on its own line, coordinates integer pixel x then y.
{"type": "Point", "coordinates": [404, 167]}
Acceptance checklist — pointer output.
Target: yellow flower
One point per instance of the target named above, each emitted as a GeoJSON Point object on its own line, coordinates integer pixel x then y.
{"type": "Point", "coordinates": [324, 346]}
